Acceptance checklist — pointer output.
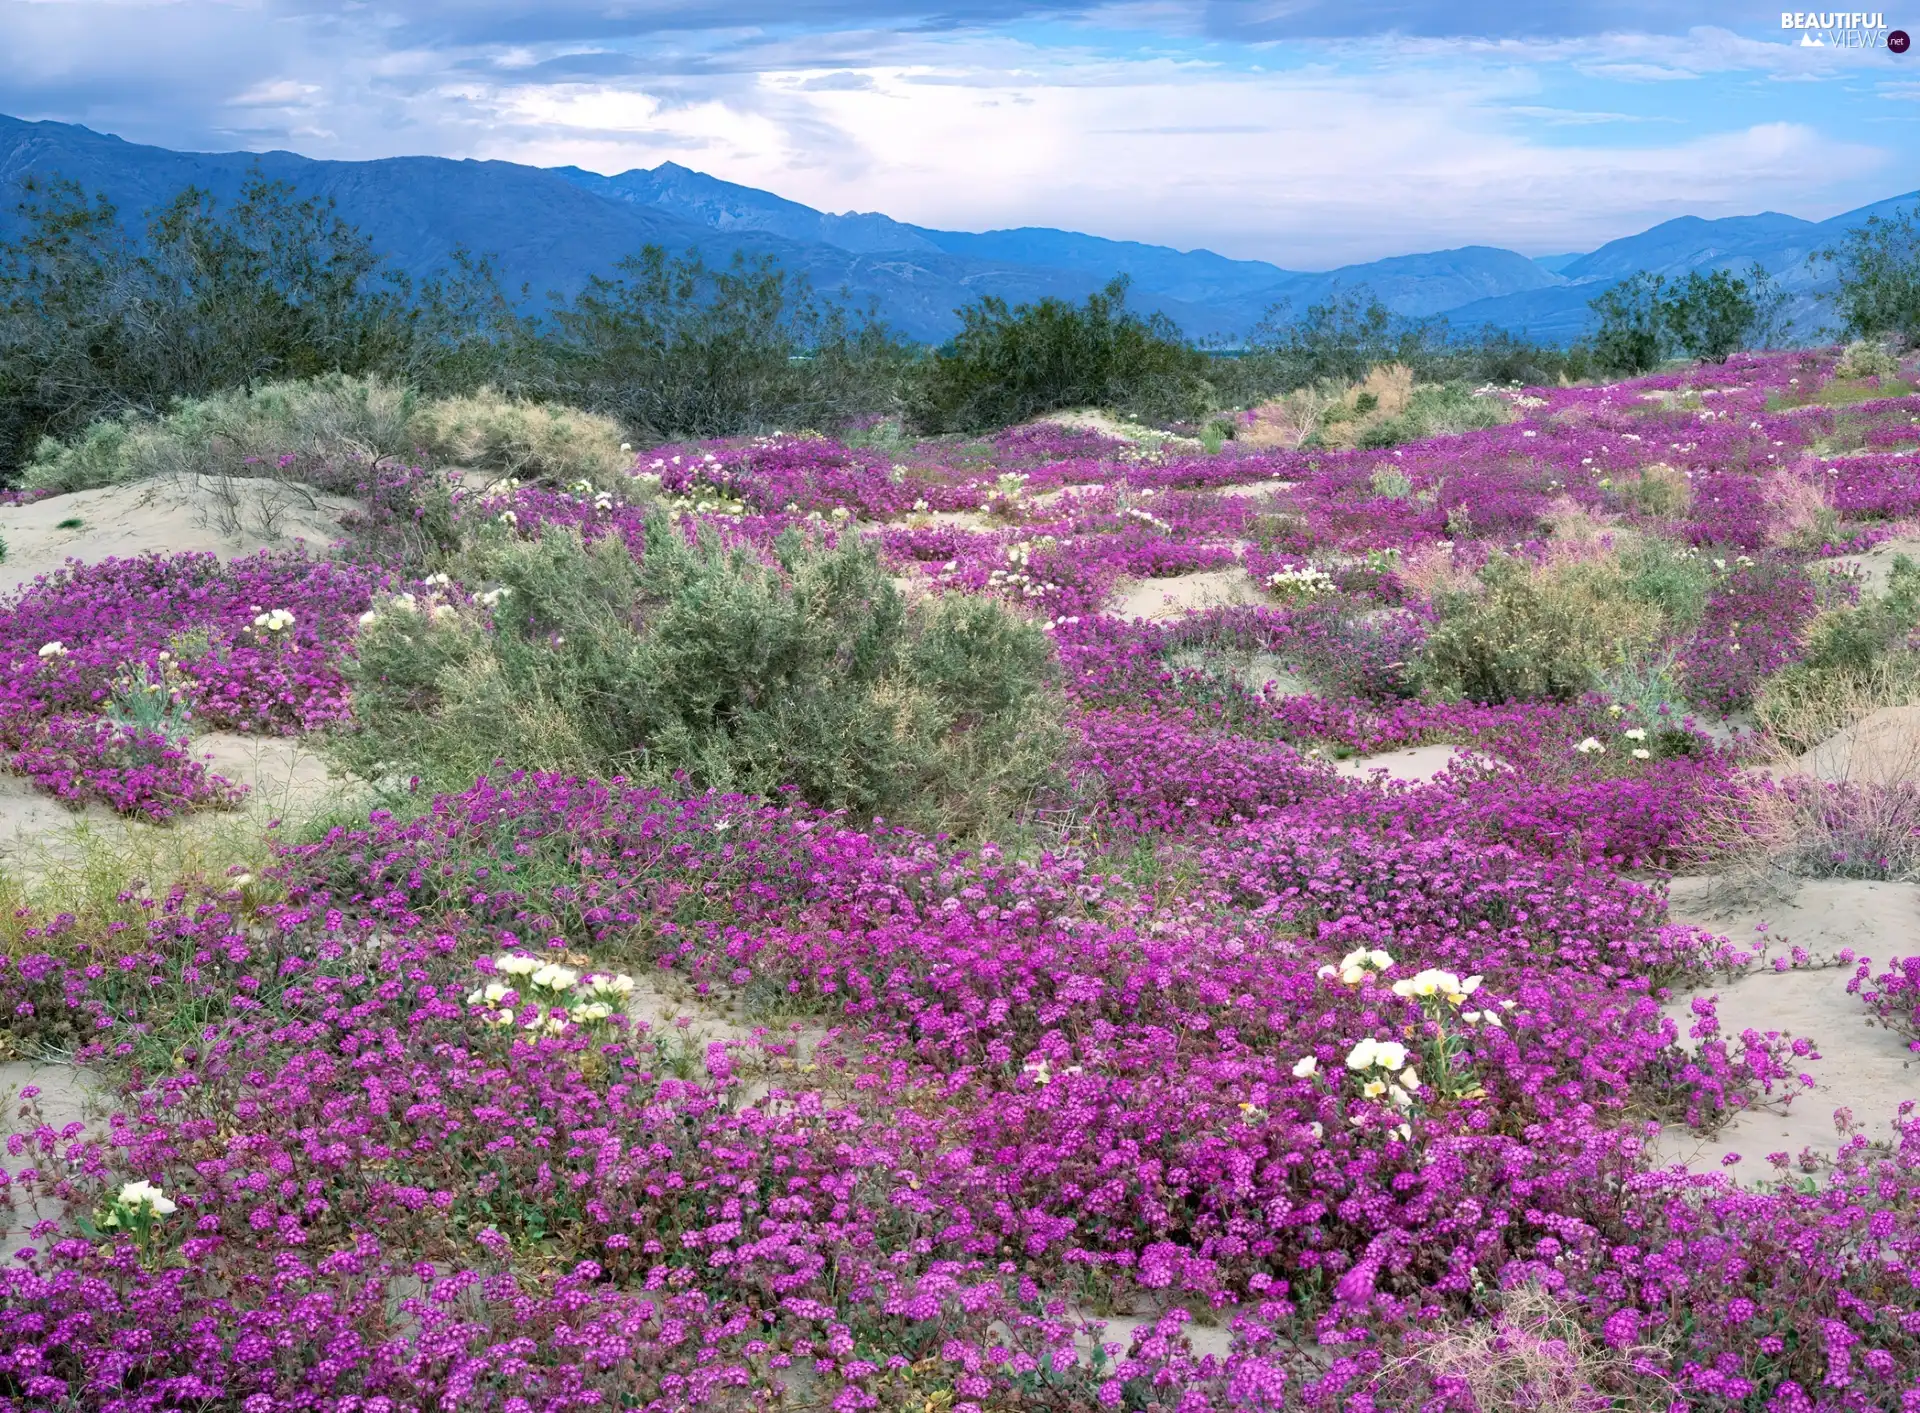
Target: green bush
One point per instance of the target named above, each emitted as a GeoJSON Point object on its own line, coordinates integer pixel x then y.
{"type": "Point", "coordinates": [1008, 365]}
{"type": "Point", "coordinates": [1437, 410]}
{"type": "Point", "coordinates": [1531, 633]}
{"type": "Point", "coordinates": [321, 422]}
{"type": "Point", "coordinates": [1715, 315]}
{"type": "Point", "coordinates": [318, 429]}
{"type": "Point", "coordinates": [96, 321]}
{"type": "Point", "coordinates": [699, 666]}
{"type": "Point", "coordinates": [1878, 267]}
{"type": "Point", "coordinates": [670, 347]}
{"type": "Point", "coordinates": [1632, 335]}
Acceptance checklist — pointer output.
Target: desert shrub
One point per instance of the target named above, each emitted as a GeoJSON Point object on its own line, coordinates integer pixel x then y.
{"type": "Point", "coordinates": [96, 321]}
{"type": "Point", "coordinates": [671, 347]}
{"type": "Point", "coordinates": [327, 430]}
{"type": "Point", "coordinates": [1712, 316]}
{"type": "Point", "coordinates": [1631, 336]}
{"type": "Point", "coordinates": [695, 665]}
{"type": "Point", "coordinates": [1535, 632]}
{"type": "Point", "coordinates": [1657, 489]}
{"type": "Point", "coordinates": [515, 437]}
{"type": "Point", "coordinates": [1865, 358]}
{"type": "Point", "coordinates": [307, 427]}
{"type": "Point", "coordinates": [1437, 410]}
{"type": "Point", "coordinates": [1854, 660]}
{"type": "Point", "coordinates": [1878, 268]}
{"type": "Point", "coordinates": [1007, 365]}
{"type": "Point", "coordinates": [1674, 580]}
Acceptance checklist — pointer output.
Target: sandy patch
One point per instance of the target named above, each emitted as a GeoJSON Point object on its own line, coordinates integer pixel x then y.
{"type": "Point", "coordinates": [1157, 599]}
{"type": "Point", "coordinates": [227, 516]}
{"type": "Point", "coordinates": [1861, 1068]}
{"type": "Point", "coordinates": [1875, 566]}
{"type": "Point", "coordinates": [1880, 749]}
{"type": "Point", "coordinates": [1257, 488]}
{"type": "Point", "coordinates": [974, 520]}
{"type": "Point", "coordinates": [1417, 764]}
{"type": "Point", "coordinates": [280, 774]}
{"type": "Point", "coordinates": [1092, 419]}
{"type": "Point", "coordinates": [28, 817]}
{"type": "Point", "coordinates": [67, 1096]}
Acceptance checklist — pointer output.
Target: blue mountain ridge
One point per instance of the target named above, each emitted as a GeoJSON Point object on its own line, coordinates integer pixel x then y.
{"type": "Point", "coordinates": [549, 229]}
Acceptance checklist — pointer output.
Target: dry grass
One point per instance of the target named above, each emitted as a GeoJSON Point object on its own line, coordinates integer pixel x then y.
{"type": "Point", "coordinates": [1286, 422]}
{"type": "Point", "coordinates": [1578, 531]}
{"type": "Point", "coordinates": [1800, 512]}
{"type": "Point", "coordinates": [1659, 489]}
{"type": "Point", "coordinates": [1534, 1356]}
{"type": "Point", "coordinates": [1799, 711]}
{"type": "Point", "coordinates": [535, 441]}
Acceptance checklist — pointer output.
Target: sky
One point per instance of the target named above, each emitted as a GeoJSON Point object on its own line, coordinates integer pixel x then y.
{"type": "Point", "coordinates": [1311, 133]}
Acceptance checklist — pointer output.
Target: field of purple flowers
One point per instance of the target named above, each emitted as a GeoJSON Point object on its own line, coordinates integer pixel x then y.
{"type": "Point", "coordinates": [1223, 1077]}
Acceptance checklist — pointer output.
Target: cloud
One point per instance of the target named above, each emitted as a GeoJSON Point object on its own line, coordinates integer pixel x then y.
{"type": "Point", "coordinates": [1304, 137]}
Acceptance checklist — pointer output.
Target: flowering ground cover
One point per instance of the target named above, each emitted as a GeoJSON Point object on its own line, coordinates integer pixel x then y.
{"type": "Point", "coordinates": [1214, 1079]}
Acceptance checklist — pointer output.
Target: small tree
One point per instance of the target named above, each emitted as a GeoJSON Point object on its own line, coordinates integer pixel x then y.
{"type": "Point", "coordinates": [1632, 333]}
{"type": "Point", "coordinates": [1714, 316]}
{"type": "Point", "coordinates": [672, 347]}
{"type": "Point", "coordinates": [1878, 265]}
{"type": "Point", "coordinates": [1009, 364]}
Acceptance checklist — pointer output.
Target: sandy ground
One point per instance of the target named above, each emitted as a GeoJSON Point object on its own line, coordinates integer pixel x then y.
{"type": "Point", "coordinates": [284, 780]}
{"type": "Point", "coordinates": [66, 1096]}
{"type": "Point", "coordinates": [225, 515]}
{"type": "Point", "coordinates": [1862, 1068]}
{"type": "Point", "coordinates": [1158, 599]}
{"type": "Point", "coordinates": [1880, 749]}
{"type": "Point", "coordinates": [1874, 567]}
{"type": "Point", "coordinates": [1417, 764]}
{"type": "Point", "coordinates": [1258, 488]}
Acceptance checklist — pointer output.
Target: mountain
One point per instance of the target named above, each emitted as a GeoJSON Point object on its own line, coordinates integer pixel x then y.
{"type": "Point", "coordinates": [549, 229]}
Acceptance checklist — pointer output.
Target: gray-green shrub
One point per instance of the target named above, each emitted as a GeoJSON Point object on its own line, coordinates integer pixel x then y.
{"type": "Point", "coordinates": [696, 665]}
{"type": "Point", "coordinates": [319, 428]}
{"type": "Point", "coordinates": [1529, 633]}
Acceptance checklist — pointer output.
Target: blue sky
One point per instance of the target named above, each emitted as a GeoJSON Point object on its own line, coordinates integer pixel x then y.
{"type": "Point", "coordinates": [1311, 134]}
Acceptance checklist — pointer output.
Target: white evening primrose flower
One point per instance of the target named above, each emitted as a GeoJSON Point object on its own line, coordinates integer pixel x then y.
{"type": "Point", "coordinates": [513, 964]}
{"type": "Point", "coordinates": [1306, 1068]}
{"type": "Point", "coordinates": [1038, 1071]}
{"type": "Point", "coordinates": [1589, 746]}
{"type": "Point", "coordinates": [1635, 733]}
{"type": "Point", "coordinates": [145, 1194]}
{"type": "Point", "coordinates": [1406, 1132]}
{"type": "Point", "coordinates": [1316, 1130]}
{"type": "Point", "coordinates": [52, 650]}
{"type": "Point", "coordinates": [1615, 709]}
{"type": "Point", "coordinates": [1372, 1089]}
{"type": "Point", "coordinates": [554, 977]}
{"type": "Point", "coordinates": [1643, 754]}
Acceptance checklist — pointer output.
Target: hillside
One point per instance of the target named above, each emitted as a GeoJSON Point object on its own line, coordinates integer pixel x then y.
{"type": "Point", "coordinates": [549, 229]}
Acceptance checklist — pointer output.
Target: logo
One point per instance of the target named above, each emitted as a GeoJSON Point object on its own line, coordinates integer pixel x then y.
{"type": "Point", "coordinates": [1898, 42]}
{"type": "Point", "coordinates": [1843, 29]}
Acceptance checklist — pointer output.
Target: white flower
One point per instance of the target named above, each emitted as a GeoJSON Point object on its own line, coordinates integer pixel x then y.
{"type": "Point", "coordinates": [1643, 755]}
{"type": "Point", "coordinates": [554, 977]}
{"type": "Point", "coordinates": [589, 1011]}
{"type": "Point", "coordinates": [1316, 1130]}
{"type": "Point", "coordinates": [1305, 1069]}
{"type": "Point", "coordinates": [1589, 746]}
{"type": "Point", "coordinates": [276, 620]}
{"type": "Point", "coordinates": [1372, 1089]}
{"type": "Point", "coordinates": [1386, 1054]}
{"type": "Point", "coordinates": [54, 649]}
{"type": "Point", "coordinates": [512, 964]}
{"type": "Point", "coordinates": [1635, 733]}
{"type": "Point", "coordinates": [626, 446]}
{"type": "Point", "coordinates": [145, 1194]}
{"type": "Point", "coordinates": [492, 994]}
{"type": "Point", "coordinates": [1406, 1132]}
{"type": "Point", "coordinates": [610, 987]}
{"type": "Point", "coordinates": [1038, 1070]}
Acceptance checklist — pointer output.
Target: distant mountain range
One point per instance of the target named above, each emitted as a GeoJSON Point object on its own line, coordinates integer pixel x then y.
{"type": "Point", "coordinates": [550, 228]}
